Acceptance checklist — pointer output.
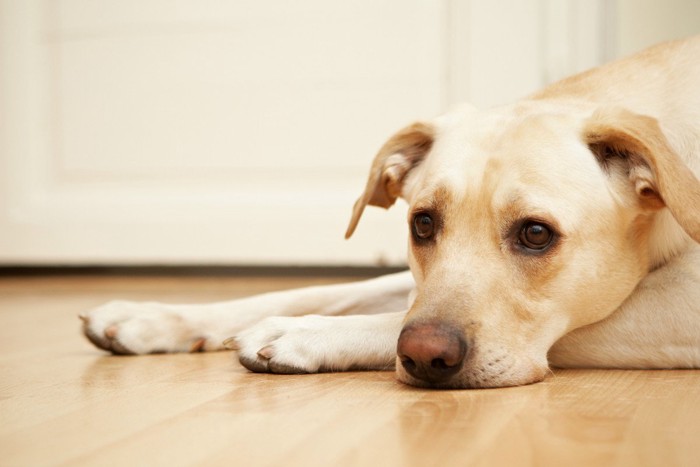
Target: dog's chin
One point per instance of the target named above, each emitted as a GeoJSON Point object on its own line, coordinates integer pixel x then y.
{"type": "Point", "coordinates": [476, 378]}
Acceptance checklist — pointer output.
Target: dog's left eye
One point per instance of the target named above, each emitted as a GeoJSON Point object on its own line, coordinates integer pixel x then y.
{"type": "Point", "coordinates": [423, 226]}
{"type": "Point", "coordinates": [535, 236]}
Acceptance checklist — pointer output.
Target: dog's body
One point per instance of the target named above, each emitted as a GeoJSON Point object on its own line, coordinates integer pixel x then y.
{"type": "Point", "coordinates": [563, 229]}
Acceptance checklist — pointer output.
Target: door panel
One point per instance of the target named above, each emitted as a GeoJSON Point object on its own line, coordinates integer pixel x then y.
{"type": "Point", "coordinates": [154, 131]}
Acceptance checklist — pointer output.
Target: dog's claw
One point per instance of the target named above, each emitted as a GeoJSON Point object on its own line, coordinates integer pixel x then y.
{"type": "Point", "coordinates": [198, 345]}
{"type": "Point", "coordinates": [83, 317]}
{"type": "Point", "coordinates": [266, 352]}
{"type": "Point", "coordinates": [231, 343]}
{"type": "Point", "coordinates": [111, 332]}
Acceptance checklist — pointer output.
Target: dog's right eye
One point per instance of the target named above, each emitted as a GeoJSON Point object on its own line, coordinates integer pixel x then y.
{"type": "Point", "coordinates": [535, 236]}
{"type": "Point", "coordinates": [423, 226]}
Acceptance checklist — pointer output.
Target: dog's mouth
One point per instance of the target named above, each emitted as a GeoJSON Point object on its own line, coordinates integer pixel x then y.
{"type": "Point", "coordinates": [437, 354]}
{"type": "Point", "coordinates": [477, 379]}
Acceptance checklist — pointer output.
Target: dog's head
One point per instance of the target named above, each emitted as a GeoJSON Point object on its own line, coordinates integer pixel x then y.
{"type": "Point", "coordinates": [524, 225]}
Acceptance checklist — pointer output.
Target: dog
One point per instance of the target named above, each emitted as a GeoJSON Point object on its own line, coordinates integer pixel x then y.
{"type": "Point", "coordinates": [562, 230]}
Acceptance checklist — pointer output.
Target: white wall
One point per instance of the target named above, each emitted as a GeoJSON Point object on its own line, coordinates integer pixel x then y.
{"type": "Point", "coordinates": [160, 131]}
{"type": "Point", "coordinates": [202, 131]}
{"type": "Point", "coordinates": [641, 23]}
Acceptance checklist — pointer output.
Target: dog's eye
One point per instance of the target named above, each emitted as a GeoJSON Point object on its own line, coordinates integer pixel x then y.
{"type": "Point", "coordinates": [535, 236]}
{"type": "Point", "coordinates": [423, 226]}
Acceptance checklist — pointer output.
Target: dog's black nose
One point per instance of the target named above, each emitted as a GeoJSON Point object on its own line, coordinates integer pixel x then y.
{"type": "Point", "coordinates": [432, 352]}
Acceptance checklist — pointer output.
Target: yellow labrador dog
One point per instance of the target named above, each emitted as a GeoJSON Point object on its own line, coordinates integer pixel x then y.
{"type": "Point", "coordinates": [561, 230]}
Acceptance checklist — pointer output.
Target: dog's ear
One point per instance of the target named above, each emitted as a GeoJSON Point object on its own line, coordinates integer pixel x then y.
{"type": "Point", "coordinates": [401, 153]}
{"type": "Point", "coordinates": [620, 138]}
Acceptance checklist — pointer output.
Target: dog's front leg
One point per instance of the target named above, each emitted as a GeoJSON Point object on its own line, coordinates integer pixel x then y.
{"type": "Point", "coordinates": [139, 328]}
{"type": "Point", "coordinates": [313, 343]}
{"type": "Point", "coordinates": [658, 326]}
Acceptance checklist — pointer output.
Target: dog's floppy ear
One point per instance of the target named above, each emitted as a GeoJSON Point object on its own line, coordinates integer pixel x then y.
{"type": "Point", "coordinates": [659, 176]}
{"type": "Point", "coordinates": [401, 153]}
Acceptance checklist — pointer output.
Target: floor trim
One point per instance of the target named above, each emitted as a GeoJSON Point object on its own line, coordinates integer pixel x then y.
{"type": "Point", "coordinates": [196, 270]}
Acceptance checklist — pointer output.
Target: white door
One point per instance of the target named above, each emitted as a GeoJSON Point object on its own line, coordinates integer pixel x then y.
{"type": "Point", "coordinates": [201, 131]}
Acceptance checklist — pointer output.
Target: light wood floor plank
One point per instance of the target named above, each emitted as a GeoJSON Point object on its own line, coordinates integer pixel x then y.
{"type": "Point", "coordinates": [62, 402]}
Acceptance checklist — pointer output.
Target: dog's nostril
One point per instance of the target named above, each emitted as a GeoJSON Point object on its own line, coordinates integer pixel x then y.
{"type": "Point", "coordinates": [408, 363]}
{"type": "Point", "coordinates": [439, 364]}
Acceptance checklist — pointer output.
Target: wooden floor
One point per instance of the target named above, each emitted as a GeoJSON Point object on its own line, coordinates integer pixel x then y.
{"type": "Point", "coordinates": [63, 402]}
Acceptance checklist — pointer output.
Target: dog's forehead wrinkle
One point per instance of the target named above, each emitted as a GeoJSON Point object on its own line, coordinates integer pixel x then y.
{"type": "Point", "coordinates": [433, 198]}
{"type": "Point", "coordinates": [497, 143]}
{"type": "Point", "coordinates": [449, 179]}
{"type": "Point", "coordinates": [548, 166]}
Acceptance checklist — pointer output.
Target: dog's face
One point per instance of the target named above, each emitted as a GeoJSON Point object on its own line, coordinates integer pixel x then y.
{"type": "Point", "coordinates": [515, 239]}
{"type": "Point", "coordinates": [524, 224]}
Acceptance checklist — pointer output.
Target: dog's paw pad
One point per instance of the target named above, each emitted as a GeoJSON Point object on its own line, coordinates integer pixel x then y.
{"type": "Point", "coordinates": [282, 368]}
{"type": "Point", "coordinates": [255, 364]}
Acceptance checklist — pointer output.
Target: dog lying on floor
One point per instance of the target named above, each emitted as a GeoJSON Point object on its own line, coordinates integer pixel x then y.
{"type": "Point", "coordinates": [559, 230]}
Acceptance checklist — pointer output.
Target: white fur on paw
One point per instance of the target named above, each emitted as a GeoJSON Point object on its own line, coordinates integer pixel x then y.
{"type": "Point", "coordinates": [139, 328]}
{"type": "Point", "coordinates": [285, 345]}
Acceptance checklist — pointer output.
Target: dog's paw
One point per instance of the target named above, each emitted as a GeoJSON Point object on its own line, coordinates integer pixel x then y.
{"type": "Point", "coordinates": [129, 328]}
{"type": "Point", "coordinates": [284, 345]}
